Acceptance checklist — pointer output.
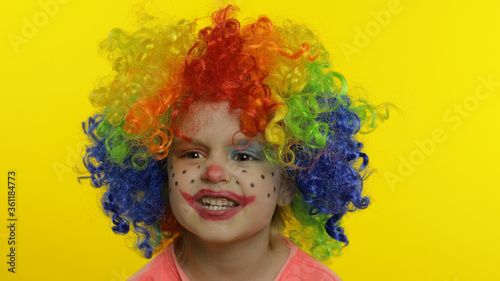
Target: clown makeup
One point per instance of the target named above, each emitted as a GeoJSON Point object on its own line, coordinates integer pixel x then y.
{"type": "Point", "coordinates": [220, 190]}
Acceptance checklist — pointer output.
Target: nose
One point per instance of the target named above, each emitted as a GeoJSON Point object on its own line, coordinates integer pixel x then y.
{"type": "Point", "coordinates": [215, 173]}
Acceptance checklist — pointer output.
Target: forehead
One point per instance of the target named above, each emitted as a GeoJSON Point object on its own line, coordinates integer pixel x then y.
{"type": "Point", "coordinates": [202, 114]}
{"type": "Point", "coordinates": [214, 120]}
{"type": "Point", "coordinates": [210, 112]}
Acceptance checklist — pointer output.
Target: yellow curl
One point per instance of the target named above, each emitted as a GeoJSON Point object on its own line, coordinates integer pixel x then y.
{"type": "Point", "coordinates": [274, 132]}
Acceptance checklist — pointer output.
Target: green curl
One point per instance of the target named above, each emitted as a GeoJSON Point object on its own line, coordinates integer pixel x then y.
{"type": "Point", "coordinates": [310, 234]}
{"type": "Point", "coordinates": [140, 161]}
{"type": "Point", "coordinates": [117, 145]}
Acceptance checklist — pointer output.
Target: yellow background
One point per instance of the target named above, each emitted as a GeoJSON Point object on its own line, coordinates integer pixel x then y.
{"type": "Point", "coordinates": [435, 193]}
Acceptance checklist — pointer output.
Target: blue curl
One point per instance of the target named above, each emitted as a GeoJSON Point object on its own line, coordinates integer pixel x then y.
{"type": "Point", "coordinates": [332, 183]}
{"type": "Point", "coordinates": [132, 196]}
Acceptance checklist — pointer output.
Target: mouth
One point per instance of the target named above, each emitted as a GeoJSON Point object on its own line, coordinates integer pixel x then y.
{"type": "Point", "coordinates": [217, 205]}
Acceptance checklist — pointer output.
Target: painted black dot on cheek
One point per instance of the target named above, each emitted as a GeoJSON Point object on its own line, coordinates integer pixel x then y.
{"type": "Point", "coordinates": [262, 176]}
{"type": "Point", "coordinates": [192, 181]}
{"type": "Point", "coordinates": [272, 174]}
{"type": "Point", "coordinates": [268, 195]}
{"type": "Point", "coordinates": [244, 171]}
{"type": "Point", "coordinates": [173, 174]}
{"type": "Point", "coordinates": [274, 188]}
{"type": "Point", "coordinates": [237, 182]}
{"type": "Point", "coordinates": [169, 189]}
{"type": "Point", "coordinates": [252, 185]}
{"type": "Point", "coordinates": [184, 171]}
{"type": "Point", "coordinates": [171, 167]}
{"type": "Point", "coordinates": [176, 183]}
{"type": "Point", "coordinates": [199, 166]}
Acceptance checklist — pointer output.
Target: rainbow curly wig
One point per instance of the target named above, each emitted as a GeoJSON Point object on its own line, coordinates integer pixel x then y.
{"type": "Point", "coordinates": [279, 77]}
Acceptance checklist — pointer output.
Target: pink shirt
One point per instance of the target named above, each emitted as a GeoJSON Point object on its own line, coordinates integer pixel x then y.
{"type": "Point", "coordinates": [299, 266]}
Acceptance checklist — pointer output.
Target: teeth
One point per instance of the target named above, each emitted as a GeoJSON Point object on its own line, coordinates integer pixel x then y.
{"type": "Point", "coordinates": [219, 203]}
{"type": "Point", "coordinates": [216, 208]}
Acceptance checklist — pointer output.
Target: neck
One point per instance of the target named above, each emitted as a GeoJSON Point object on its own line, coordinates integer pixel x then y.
{"type": "Point", "coordinates": [243, 259]}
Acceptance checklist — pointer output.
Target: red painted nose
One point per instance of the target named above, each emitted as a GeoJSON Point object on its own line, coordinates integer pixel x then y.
{"type": "Point", "coordinates": [215, 173]}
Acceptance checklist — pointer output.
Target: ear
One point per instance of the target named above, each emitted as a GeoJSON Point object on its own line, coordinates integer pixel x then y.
{"type": "Point", "coordinates": [287, 193]}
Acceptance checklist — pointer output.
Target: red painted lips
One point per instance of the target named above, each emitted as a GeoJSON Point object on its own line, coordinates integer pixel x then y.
{"type": "Point", "coordinates": [215, 215]}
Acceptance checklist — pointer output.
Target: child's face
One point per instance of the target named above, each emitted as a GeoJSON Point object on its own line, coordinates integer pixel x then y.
{"type": "Point", "coordinates": [217, 192]}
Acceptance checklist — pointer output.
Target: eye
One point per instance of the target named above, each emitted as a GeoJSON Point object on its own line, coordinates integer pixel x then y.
{"type": "Point", "coordinates": [243, 157]}
{"type": "Point", "coordinates": [192, 155]}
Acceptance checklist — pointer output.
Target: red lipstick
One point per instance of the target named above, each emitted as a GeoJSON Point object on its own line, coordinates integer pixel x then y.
{"type": "Point", "coordinates": [215, 215]}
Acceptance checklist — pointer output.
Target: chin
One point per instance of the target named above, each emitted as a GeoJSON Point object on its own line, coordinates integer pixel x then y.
{"type": "Point", "coordinates": [222, 235]}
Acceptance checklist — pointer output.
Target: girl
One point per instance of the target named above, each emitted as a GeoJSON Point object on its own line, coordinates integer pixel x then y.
{"type": "Point", "coordinates": [227, 149]}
